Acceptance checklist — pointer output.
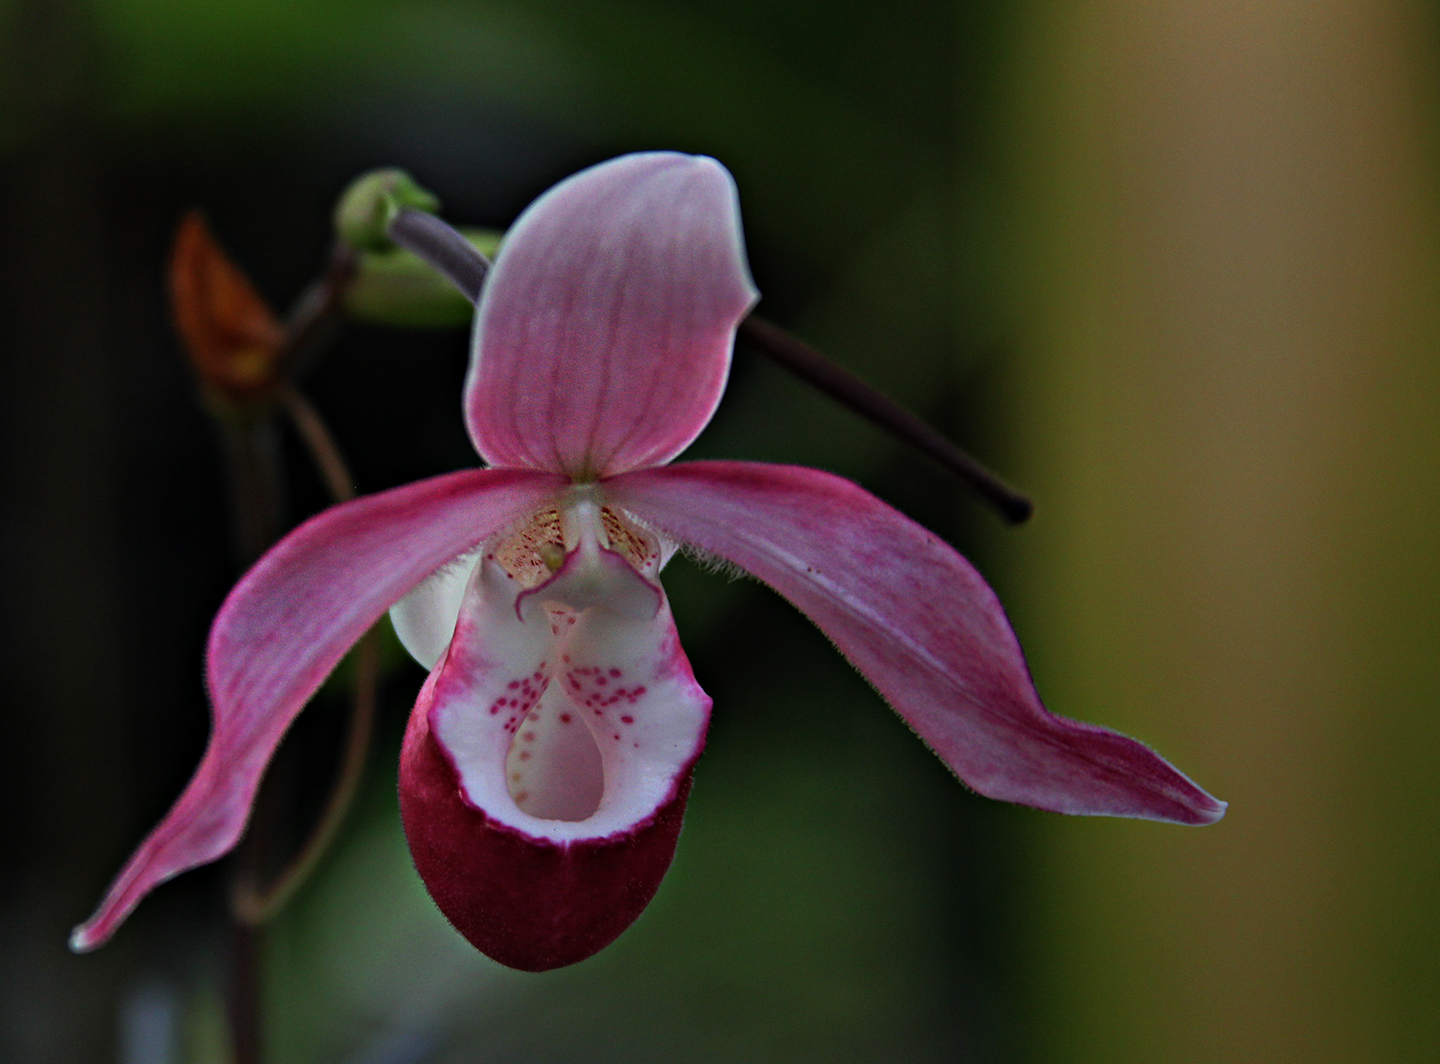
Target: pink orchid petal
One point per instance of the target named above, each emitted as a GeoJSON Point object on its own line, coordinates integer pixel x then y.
{"type": "Point", "coordinates": [922, 626]}
{"type": "Point", "coordinates": [545, 770]}
{"type": "Point", "coordinates": [285, 626]}
{"type": "Point", "coordinates": [604, 333]}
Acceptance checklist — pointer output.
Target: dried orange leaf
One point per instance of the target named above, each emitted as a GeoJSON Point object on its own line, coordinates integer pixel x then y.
{"type": "Point", "coordinates": [230, 334]}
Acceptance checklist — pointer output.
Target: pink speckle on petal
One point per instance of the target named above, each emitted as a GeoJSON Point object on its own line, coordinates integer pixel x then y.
{"type": "Point", "coordinates": [627, 719]}
{"type": "Point", "coordinates": [564, 718]}
{"type": "Point", "coordinates": [524, 755]}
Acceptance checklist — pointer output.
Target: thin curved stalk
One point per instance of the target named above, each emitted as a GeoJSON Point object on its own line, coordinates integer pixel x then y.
{"type": "Point", "coordinates": [251, 902]}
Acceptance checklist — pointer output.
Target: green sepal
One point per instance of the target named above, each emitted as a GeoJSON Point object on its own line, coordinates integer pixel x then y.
{"type": "Point", "coordinates": [395, 287]}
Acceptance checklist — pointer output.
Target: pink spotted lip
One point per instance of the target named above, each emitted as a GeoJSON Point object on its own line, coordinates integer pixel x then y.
{"type": "Point", "coordinates": [530, 903]}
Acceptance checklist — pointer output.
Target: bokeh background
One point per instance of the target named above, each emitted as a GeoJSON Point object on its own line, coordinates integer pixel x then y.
{"type": "Point", "coordinates": [1172, 267]}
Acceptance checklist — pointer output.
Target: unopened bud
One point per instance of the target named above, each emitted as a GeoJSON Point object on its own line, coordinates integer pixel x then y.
{"type": "Point", "coordinates": [396, 287]}
{"type": "Point", "coordinates": [366, 207]}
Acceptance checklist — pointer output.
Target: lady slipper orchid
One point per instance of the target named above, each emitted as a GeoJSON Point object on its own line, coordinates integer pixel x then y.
{"type": "Point", "coordinates": [546, 765]}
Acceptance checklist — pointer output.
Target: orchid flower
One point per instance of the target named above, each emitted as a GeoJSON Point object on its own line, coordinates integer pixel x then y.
{"type": "Point", "coordinates": [547, 762]}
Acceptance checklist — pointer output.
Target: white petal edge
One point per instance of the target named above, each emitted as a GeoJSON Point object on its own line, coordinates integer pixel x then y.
{"type": "Point", "coordinates": [424, 620]}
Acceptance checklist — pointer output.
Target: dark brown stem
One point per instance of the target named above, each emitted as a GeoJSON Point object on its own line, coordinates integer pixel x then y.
{"type": "Point", "coordinates": [318, 313]}
{"type": "Point", "coordinates": [849, 390]}
{"type": "Point", "coordinates": [252, 903]}
{"type": "Point", "coordinates": [251, 445]}
{"type": "Point", "coordinates": [245, 986]}
{"type": "Point", "coordinates": [252, 449]}
{"type": "Point", "coordinates": [315, 434]}
{"type": "Point", "coordinates": [256, 905]}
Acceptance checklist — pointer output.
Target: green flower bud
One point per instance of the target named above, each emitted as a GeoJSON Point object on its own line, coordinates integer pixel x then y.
{"type": "Point", "coordinates": [366, 207]}
{"type": "Point", "coordinates": [395, 287]}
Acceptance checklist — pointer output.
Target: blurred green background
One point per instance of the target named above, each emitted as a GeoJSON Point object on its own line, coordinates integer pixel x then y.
{"type": "Point", "coordinates": [1171, 267]}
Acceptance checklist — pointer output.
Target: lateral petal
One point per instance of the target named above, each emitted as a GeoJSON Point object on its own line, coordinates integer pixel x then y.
{"type": "Point", "coordinates": [424, 620]}
{"type": "Point", "coordinates": [545, 769]}
{"type": "Point", "coordinates": [282, 629]}
{"type": "Point", "coordinates": [920, 624]}
{"type": "Point", "coordinates": [604, 331]}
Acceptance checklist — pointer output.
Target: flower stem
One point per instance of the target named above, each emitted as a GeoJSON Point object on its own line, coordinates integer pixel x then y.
{"type": "Point", "coordinates": [251, 446]}
{"type": "Point", "coordinates": [252, 903]}
{"type": "Point", "coordinates": [315, 434]}
{"type": "Point", "coordinates": [452, 255]}
{"type": "Point", "coordinates": [317, 313]}
{"type": "Point", "coordinates": [849, 390]}
{"type": "Point", "coordinates": [443, 247]}
{"type": "Point", "coordinates": [244, 1000]}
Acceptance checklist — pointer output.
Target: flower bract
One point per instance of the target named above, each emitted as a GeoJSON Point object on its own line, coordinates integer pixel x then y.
{"type": "Point", "coordinates": [547, 762]}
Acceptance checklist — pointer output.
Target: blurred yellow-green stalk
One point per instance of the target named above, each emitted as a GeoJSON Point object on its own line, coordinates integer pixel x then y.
{"type": "Point", "coordinates": [1229, 402]}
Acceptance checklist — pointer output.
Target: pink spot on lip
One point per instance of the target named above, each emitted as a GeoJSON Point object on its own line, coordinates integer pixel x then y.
{"type": "Point", "coordinates": [627, 719]}
{"type": "Point", "coordinates": [529, 736]}
{"type": "Point", "coordinates": [615, 673]}
{"type": "Point", "coordinates": [524, 755]}
{"type": "Point", "coordinates": [513, 684]}
{"type": "Point", "coordinates": [564, 718]}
